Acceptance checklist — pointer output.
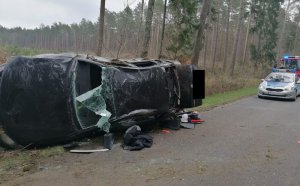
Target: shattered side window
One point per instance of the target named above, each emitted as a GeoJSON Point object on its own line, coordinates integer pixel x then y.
{"type": "Point", "coordinates": [90, 104]}
{"type": "Point", "coordinates": [92, 101]}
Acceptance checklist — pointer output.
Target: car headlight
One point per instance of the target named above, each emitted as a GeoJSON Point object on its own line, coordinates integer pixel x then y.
{"type": "Point", "coordinates": [262, 87]}
{"type": "Point", "coordinates": [288, 89]}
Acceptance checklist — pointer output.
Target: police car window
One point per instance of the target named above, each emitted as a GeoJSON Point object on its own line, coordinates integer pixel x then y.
{"type": "Point", "coordinates": [280, 78]}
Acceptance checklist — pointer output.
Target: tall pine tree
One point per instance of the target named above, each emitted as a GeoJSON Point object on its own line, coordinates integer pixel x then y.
{"type": "Point", "coordinates": [265, 14]}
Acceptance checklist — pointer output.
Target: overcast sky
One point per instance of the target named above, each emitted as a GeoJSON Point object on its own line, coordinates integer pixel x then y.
{"type": "Point", "coordinates": [32, 13]}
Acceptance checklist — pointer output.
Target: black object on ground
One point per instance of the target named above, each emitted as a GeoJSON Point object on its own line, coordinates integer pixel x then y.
{"type": "Point", "coordinates": [171, 123]}
{"type": "Point", "coordinates": [134, 139]}
{"type": "Point", "coordinates": [194, 116]}
{"type": "Point", "coordinates": [70, 146]}
{"type": "Point", "coordinates": [85, 151]}
{"type": "Point", "coordinates": [187, 125]}
{"type": "Point", "coordinates": [189, 119]}
{"type": "Point", "coordinates": [108, 141]}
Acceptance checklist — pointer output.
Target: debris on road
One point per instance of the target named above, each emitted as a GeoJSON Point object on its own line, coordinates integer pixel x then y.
{"type": "Point", "coordinates": [172, 123]}
{"type": "Point", "coordinates": [134, 139]}
{"type": "Point", "coordinates": [165, 131]}
{"type": "Point", "coordinates": [188, 125]}
{"type": "Point", "coordinates": [89, 151]}
{"type": "Point", "coordinates": [6, 141]}
{"type": "Point", "coordinates": [71, 146]}
{"type": "Point", "coordinates": [108, 141]}
{"type": "Point", "coordinates": [189, 119]}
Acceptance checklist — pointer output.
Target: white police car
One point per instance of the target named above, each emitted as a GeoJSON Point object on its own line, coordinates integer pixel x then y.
{"type": "Point", "coordinates": [280, 85]}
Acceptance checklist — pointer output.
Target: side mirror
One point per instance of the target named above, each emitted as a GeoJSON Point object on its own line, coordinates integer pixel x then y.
{"type": "Point", "coordinates": [264, 79]}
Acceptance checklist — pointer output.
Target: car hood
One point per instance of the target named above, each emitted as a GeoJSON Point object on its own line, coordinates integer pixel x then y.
{"type": "Point", "coordinates": [278, 84]}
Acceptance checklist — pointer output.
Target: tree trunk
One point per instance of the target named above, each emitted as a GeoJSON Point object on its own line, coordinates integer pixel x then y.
{"type": "Point", "coordinates": [217, 36]}
{"type": "Point", "coordinates": [296, 39]}
{"type": "Point", "coordinates": [205, 49]}
{"type": "Point", "coordinates": [205, 54]}
{"type": "Point", "coordinates": [247, 35]}
{"type": "Point", "coordinates": [158, 39]}
{"type": "Point", "coordinates": [259, 44]}
{"type": "Point", "coordinates": [279, 50]}
{"type": "Point", "coordinates": [237, 36]}
{"type": "Point", "coordinates": [148, 28]}
{"type": "Point", "coordinates": [163, 30]}
{"type": "Point", "coordinates": [139, 30]}
{"type": "Point", "coordinates": [101, 28]}
{"type": "Point", "coordinates": [199, 41]}
{"type": "Point", "coordinates": [212, 41]}
{"type": "Point", "coordinates": [227, 36]}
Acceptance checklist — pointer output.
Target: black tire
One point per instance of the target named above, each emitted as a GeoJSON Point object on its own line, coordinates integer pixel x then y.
{"type": "Point", "coordinates": [295, 97]}
{"type": "Point", "coordinates": [185, 76]}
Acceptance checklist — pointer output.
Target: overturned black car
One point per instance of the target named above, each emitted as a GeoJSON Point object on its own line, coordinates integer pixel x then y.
{"type": "Point", "coordinates": [50, 99]}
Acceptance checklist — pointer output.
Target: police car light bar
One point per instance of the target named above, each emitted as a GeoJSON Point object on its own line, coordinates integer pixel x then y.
{"type": "Point", "coordinates": [284, 70]}
{"type": "Point", "coordinates": [291, 57]}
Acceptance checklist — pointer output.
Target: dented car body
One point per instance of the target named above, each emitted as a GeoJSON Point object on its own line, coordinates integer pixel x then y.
{"type": "Point", "coordinates": [50, 99]}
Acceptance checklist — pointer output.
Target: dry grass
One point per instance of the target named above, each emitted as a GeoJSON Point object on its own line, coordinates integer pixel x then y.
{"type": "Point", "coordinates": [20, 162]}
{"type": "Point", "coordinates": [217, 81]}
{"type": "Point", "coordinates": [221, 84]}
{"type": "Point", "coordinates": [3, 56]}
{"type": "Point", "coordinates": [245, 76]}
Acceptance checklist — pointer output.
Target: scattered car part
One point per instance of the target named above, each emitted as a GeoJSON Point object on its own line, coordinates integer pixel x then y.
{"type": "Point", "coordinates": [6, 141]}
{"type": "Point", "coordinates": [71, 145]}
{"type": "Point", "coordinates": [89, 151]}
{"type": "Point", "coordinates": [184, 118]}
{"type": "Point", "coordinates": [135, 140]}
{"type": "Point", "coordinates": [172, 123]}
{"type": "Point", "coordinates": [189, 119]}
{"type": "Point", "coordinates": [108, 141]}
{"type": "Point", "coordinates": [187, 125]}
{"type": "Point", "coordinates": [165, 131]}
{"type": "Point", "coordinates": [194, 116]}
{"type": "Point", "coordinates": [197, 120]}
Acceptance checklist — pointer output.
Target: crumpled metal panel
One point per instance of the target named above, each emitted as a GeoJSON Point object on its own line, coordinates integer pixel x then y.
{"type": "Point", "coordinates": [35, 100]}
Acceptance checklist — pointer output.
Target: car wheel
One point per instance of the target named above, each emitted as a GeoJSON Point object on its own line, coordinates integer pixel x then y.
{"type": "Point", "coordinates": [259, 96]}
{"type": "Point", "coordinates": [185, 77]}
{"type": "Point", "coordinates": [295, 97]}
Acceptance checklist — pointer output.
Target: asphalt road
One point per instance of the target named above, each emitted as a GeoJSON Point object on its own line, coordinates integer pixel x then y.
{"type": "Point", "coordinates": [249, 142]}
